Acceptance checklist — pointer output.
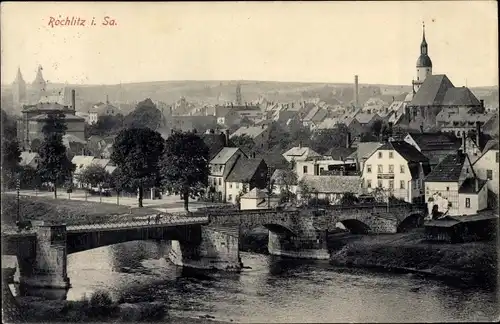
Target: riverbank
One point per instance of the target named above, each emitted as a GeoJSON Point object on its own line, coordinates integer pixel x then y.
{"type": "Point", "coordinates": [467, 264]}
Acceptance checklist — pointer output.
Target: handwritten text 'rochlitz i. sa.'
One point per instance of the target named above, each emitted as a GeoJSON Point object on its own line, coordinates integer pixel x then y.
{"type": "Point", "coordinates": [67, 21]}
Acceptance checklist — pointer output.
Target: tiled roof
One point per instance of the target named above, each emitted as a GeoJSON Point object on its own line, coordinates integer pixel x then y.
{"type": "Point", "coordinates": [366, 149]}
{"type": "Point", "coordinates": [406, 150]}
{"type": "Point", "coordinates": [224, 155]}
{"type": "Point", "coordinates": [274, 160]}
{"type": "Point", "coordinates": [365, 118]}
{"type": "Point", "coordinates": [435, 141]}
{"type": "Point", "coordinates": [333, 184]}
{"type": "Point", "coordinates": [432, 91]}
{"type": "Point", "coordinates": [460, 97]}
{"type": "Point", "coordinates": [469, 185]}
{"type": "Point", "coordinates": [300, 153]}
{"type": "Point", "coordinates": [251, 131]}
{"type": "Point", "coordinates": [446, 115]}
{"type": "Point", "coordinates": [448, 170]}
{"type": "Point", "coordinates": [244, 170]}
{"type": "Point", "coordinates": [340, 153]}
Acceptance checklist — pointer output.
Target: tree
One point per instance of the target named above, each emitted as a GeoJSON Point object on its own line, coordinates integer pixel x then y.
{"type": "Point", "coordinates": [54, 124]}
{"type": "Point", "coordinates": [106, 125]}
{"type": "Point", "coordinates": [136, 152]}
{"type": "Point", "coordinates": [285, 179]}
{"type": "Point", "coordinates": [305, 191]}
{"type": "Point", "coordinates": [28, 177]}
{"type": "Point", "coordinates": [145, 115]}
{"type": "Point", "coordinates": [11, 156]}
{"type": "Point", "coordinates": [327, 139]}
{"type": "Point", "coordinates": [94, 175]}
{"type": "Point", "coordinates": [9, 127]}
{"type": "Point", "coordinates": [348, 199]}
{"type": "Point", "coordinates": [184, 165]}
{"type": "Point", "coordinates": [244, 142]}
{"type": "Point", "coordinates": [54, 166]}
{"type": "Point", "coordinates": [278, 137]}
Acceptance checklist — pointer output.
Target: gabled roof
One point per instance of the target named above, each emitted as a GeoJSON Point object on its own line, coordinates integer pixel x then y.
{"type": "Point", "coordinates": [244, 170]}
{"type": "Point", "coordinates": [449, 169]}
{"type": "Point", "coordinates": [274, 159]}
{"type": "Point", "coordinates": [469, 185]}
{"type": "Point", "coordinates": [224, 155]}
{"type": "Point", "coordinates": [432, 91]}
{"type": "Point", "coordinates": [365, 118]}
{"type": "Point", "coordinates": [28, 157]}
{"type": "Point", "coordinates": [435, 141]}
{"type": "Point", "coordinates": [366, 149]}
{"type": "Point", "coordinates": [460, 97]}
{"type": "Point", "coordinates": [341, 153]}
{"type": "Point", "coordinates": [82, 161]}
{"type": "Point", "coordinates": [251, 131]}
{"type": "Point", "coordinates": [333, 184]}
{"type": "Point", "coordinates": [406, 150]}
{"type": "Point", "coordinates": [300, 153]}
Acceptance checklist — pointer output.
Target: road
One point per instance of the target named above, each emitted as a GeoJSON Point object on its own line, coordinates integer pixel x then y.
{"type": "Point", "coordinates": [168, 204]}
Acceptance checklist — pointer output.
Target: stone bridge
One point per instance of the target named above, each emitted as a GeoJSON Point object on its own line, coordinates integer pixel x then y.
{"type": "Point", "coordinates": [205, 240]}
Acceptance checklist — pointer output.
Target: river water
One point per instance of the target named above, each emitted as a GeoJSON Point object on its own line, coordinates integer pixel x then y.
{"type": "Point", "coordinates": [273, 290]}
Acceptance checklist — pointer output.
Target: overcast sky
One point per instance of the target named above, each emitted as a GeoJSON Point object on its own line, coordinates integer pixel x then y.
{"type": "Point", "coordinates": [311, 42]}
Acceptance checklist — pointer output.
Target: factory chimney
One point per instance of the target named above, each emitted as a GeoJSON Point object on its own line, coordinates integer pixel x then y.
{"type": "Point", "coordinates": [356, 92]}
{"type": "Point", "coordinates": [73, 99]}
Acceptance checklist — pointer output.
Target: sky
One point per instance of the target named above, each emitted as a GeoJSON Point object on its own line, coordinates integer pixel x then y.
{"type": "Point", "coordinates": [268, 41]}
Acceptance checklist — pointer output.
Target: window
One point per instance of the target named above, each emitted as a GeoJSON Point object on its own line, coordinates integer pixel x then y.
{"type": "Point", "coordinates": [380, 183]}
{"type": "Point", "coordinates": [401, 184]}
{"type": "Point", "coordinates": [496, 157]}
{"type": "Point", "coordinates": [220, 182]}
{"type": "Point", "coordinates": [391, 184]}
{"type": "Point", "coordinates": [391, 155]}
{"type": "Point", "coordinates": [391, 168]}
{"type": "Point", "coordinates": [368, 168]}
{"type": "Point", "coordinates": [489, 174]}
{"type": "Point", "coordinates": [379, 155]}
{"type": "Point", "coordinates": [230, 197]}
{"type": "Point", "coordinates": [230, 185]}
{"type": "Point", "coordinates": [380, 169]}
{"type": "Point", "coordinates": [447, 188]}
{"type": "Point", "coordinates": [402, 168]}
{"type": "Point", "coordinates": [368, 183]}
{"type": "Point", "coordinates": [304, 169]}
{"type": "Point", "coordinates": [215, 181]}
{"type": "Point", "coordinates": [467, 202]}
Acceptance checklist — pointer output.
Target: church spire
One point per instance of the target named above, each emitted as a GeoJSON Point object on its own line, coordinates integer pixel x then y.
{"type": "Point", "coordinates": [19, 77]}
{"type": "Point", "coordinates": [39, 82]}
{"type": "Point", "coordinates": [423, 45]}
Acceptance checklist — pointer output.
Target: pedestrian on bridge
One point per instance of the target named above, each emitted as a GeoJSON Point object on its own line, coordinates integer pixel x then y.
{"type": "Point", "coordinates": [149, 219]}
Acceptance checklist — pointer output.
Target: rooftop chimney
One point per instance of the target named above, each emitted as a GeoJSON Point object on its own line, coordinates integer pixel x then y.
{"type": "Point", "coordinates": [482, 103]}
{"type": "Point", "coordinates": [478, 132]}
{"type": "Point", "coordinates": [226, 138]}
{"type": "Point", "coordinates": [348, 140]}
{"type": "Point", "coordinates": [356, 93]}
{"type": "Point", "coordinates": [73, 99]}
{"type": "Point", "coordinates": [300, 144]}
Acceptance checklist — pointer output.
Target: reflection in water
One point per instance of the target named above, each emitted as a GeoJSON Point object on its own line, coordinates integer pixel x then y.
{"type": "Point", "coordinates": [273, 289]}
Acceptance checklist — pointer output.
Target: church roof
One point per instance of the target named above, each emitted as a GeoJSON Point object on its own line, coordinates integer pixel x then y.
{"type": "Point", "coordinates": [460, 97]}
{"type": "Point", "coordinates": [432, 91]}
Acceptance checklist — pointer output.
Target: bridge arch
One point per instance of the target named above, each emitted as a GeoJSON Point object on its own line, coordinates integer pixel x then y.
{"type": "Point", "coordinates": [411, 221]}
{"type": "Point", "coordinates": [355, 226]}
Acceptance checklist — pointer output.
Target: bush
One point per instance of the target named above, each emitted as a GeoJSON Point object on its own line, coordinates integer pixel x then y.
{"type": "Point", "coordinates": [100, 303]}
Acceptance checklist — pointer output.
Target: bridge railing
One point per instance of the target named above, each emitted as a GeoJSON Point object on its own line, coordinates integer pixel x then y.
{"type": "Point", "coordinates": [165, 220]}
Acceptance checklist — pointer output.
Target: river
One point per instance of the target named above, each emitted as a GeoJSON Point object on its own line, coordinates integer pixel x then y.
{"type": "Point", "coordinates": [273, 290]}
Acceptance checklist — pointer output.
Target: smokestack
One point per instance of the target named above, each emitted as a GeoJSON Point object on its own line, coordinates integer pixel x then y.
{"type": "Point", "coordinates": [73, 99]}
{"type": "Point", "coordinates": [478, 132]}
{"type": "Point", "coordinates": [356, 93]}
{"type": "Point", "coordinates": [226, 138]}
{"type": "Point", "coordinates": [348, 140]}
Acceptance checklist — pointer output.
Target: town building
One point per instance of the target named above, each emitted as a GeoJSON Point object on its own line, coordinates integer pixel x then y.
{"type": "Point", "coordinates": [102, 109]}
{"type": "Point", "coordinates": [486, 168]}
{"type": "Point", "coordinates": [453, 188]}
{"type": "Point", "coordinates": [435, 146]}
{"type": "Point", "coordinates": [300, 153]}
{"type": "Point", "coordinates": [226, 116]}
{"type": "Point", "coordinates": [34, 117]}
{"type": "Point", "coordinates": [259, 135]}
{"type": "Point", "coordinates": [398, 169]}
{"type": "Point", "coordinates": [220, 167]}
{"type": "Point", "coordinates": [258, 199]}
{"type": "Point", "coordinates": [332, 188]}
{"type": "Point", "coordinates": [245, 175]}
{"type": "Point", "coordinates": [29, 159]}
{"type": "Point", "coordinates": [314, 117]}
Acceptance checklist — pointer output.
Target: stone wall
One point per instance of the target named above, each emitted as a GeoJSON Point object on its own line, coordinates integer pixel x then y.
{"type": "Point", "coordinates": [219, 249]}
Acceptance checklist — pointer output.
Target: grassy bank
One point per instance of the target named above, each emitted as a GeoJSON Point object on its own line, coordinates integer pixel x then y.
{"type": "Point", "coordinates": [466, 263]}
{"type": "Point", "coordinates": [72, 212]}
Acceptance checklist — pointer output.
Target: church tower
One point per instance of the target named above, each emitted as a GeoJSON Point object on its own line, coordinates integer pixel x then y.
{"type": "Point", "coordinates": [19, 89]}
{"type": "Point", "coordinates": [424, 64]}
{"type": "Point", "coordinates": [39, 84]}
{"type": "Point", "coordinates": [239, 101]}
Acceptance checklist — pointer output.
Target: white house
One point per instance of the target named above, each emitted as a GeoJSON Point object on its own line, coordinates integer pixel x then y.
{"type": "Point", "coordinates": [80, 162]}
{"type": "Point", "coordinates": [454, 187]}
{"type": "Point", "coordinates": [487, 165]}
{"type": "Point", "coordinates": [245, 175]}
{"type": "Point", "coordinates": [398, 168]}
{"type": "Point", "coordinates": [220, 167]}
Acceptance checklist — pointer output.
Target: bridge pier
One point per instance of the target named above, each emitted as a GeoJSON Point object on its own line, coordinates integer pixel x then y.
{"type": "Point", "coordinates": [309, 245]}
{"type": "Point", "coordinates": [218, 249]}
{"type": "Point", "coordinates": [45, 266]}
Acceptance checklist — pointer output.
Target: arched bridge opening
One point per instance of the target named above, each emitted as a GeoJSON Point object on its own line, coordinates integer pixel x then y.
{"type": "Point", "coordinates": [410, 222]}
{"type": "Point", "coordinates": [355, 226]}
